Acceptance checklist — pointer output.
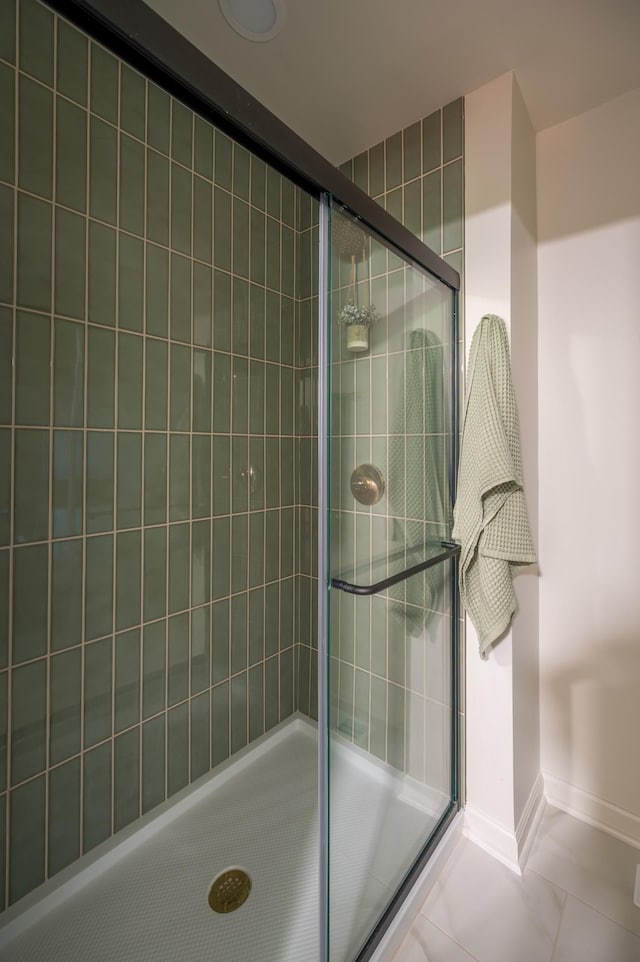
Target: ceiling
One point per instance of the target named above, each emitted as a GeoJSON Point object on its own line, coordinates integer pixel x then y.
{"type": "Point", "coordinates": [345, 74]}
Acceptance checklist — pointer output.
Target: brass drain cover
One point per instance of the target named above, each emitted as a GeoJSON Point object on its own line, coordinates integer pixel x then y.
{"type": "Point", "coordinates": [230, 890]}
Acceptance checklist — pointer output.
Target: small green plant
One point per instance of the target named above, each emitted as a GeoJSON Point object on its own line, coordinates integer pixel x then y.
{"type": "Point", "coordinates": [356, 314]}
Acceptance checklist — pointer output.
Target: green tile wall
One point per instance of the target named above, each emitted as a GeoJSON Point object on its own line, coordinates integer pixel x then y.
{"type": "Point", "coordinates": [157, 456]}
{"type": "Point", "coordinates": [417, 174]}
{"type": "Point", "coordinates": [389, 668]}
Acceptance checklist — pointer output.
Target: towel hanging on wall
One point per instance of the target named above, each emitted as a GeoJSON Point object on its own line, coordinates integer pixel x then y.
{"type": "Point", "coordinates": [490, 515]}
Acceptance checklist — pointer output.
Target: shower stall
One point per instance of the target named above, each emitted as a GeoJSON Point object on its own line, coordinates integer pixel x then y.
{"type": "Point", "coordinates": [228, 603]}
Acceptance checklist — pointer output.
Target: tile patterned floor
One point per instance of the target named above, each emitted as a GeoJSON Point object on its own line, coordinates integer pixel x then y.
{"type": "Point", "coordinates": [573, 903]}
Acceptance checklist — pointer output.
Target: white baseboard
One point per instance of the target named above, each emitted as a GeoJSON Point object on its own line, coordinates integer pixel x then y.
{"type": "Point", "coordinates": [494, 838]}
{"type": "Point", "coordinates": [509, 847]}
{"type": "Point", "coordinates": [596, 811]}
{"type": "Point", "coordinates": [529, 820]}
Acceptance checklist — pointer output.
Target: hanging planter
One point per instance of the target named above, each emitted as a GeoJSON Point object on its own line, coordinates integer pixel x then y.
{"type": "Point", "coordinates": [355, 317]}
{"type": "Point", "coordinates": [357, 321]}
{"type": "Point", "coordinates": [357, 337]}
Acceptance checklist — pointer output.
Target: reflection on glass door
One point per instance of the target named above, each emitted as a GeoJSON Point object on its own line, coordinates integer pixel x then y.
{"type": "Point", "coordinates": [391, 750]}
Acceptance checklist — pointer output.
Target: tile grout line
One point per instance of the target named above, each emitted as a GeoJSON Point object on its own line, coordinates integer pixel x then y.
{"type": "Point", "coordinates": [450, 938]}
{"type": "Point", "coordinates": [191, 472]}
{"type": "Point", "coordinates": [50, 466]}
{"type": "Point", "coordinates": [246, 577]}
{"type": "Point", "coordinates": [232, 292]}
{"type": "Point", "coordinates": [85, 421]}
{"type": "Point", "coordinates": [441, 181]}
{"type": "Point", "coordinates": [114, 445]}
{"type": "Point", "coordinates": [229, 675]}
{"type": "Point", "coordinates": [108, 738]}
{"type": "Point", "coordinates": [209, 516]}
{"type": "Point", "coordinates": [150, 621]}
{"type": "Point", "coordinates": [167, 605]}
{"type": "Point", "coordinates": [582, 901]}
{"type": "Point", "coordinates": [70, 429]}
{"type": "Point", "coordinates": [386, 620]}
{"type": "Point", "coordinates": [12, 482]}
{"type": "Point", "coordinates": [560, 922]}
{"type": "Point", "coordinates": [264, 401]}
{"type": "Point", "coordinates": [211, 464]}
{"type": "Point", "coordinates": [143, 451]}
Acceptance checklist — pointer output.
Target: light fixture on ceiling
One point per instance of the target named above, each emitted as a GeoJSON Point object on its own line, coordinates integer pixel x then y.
{"type": "Point", "coordinates": [257, 20]}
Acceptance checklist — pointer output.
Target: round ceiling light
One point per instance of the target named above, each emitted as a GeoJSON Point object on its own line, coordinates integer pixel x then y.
{"type": "Point", "coordinates": [257, 20]}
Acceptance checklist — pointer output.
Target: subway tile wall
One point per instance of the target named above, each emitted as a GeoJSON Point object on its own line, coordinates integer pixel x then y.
{"type": "Point", "coordinates": [156, 446]}
{"type": "Point", "coordinates": [417, 175]}
{"type": "Point", "coordinates": [390, 677]}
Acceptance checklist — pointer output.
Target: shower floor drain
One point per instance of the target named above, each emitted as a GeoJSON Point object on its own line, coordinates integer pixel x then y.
{"type": "Point", "coordinates": [229, 890]}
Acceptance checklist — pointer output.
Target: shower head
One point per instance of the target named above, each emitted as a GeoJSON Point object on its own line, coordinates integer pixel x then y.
{"type": "Point", "coordinates": [347, 236]}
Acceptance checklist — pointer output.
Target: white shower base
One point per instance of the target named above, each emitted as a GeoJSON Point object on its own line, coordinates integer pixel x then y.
{"type": "Point", "coordinates": [146, 901]}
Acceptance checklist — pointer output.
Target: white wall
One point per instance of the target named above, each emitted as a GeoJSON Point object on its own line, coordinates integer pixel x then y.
{"type": "Point", "coordinates": [524, 367]}
{"type": "Point", "coordinates": [589, 419]}
{"type": "Point", "coordinates": [502, 696]}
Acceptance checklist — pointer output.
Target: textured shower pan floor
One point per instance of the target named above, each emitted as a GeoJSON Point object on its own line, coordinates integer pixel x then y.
{"type": "Point", "coordinates": [150, 904]}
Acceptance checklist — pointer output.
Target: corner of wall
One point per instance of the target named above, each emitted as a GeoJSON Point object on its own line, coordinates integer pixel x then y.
{"type": "Point", "coordinates": [589, 349]}
{"type": "Point", "coordinates": [487, 201]}
{"type": "Point", "coordinates": [524, 363]}
{"type": "Point", "coordinates": [503, 744]}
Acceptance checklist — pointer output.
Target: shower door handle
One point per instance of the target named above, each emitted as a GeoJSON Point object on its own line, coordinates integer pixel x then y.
{"type": "Point", "coordinates": [451, 550]}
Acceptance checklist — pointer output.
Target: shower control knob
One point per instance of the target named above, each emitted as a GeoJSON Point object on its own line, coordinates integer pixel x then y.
{"type": "Point", "coordinates": [367, 484]}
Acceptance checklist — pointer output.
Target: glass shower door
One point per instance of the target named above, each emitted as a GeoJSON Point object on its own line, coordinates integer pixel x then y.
{"type": "Point", "coordinates": [392, 753]}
